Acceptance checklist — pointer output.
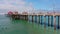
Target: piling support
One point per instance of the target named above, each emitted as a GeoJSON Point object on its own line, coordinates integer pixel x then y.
{"type": "Point", "coordinates": [28, 18]}
{"type": "Point", "coordinates": [41, 20]}
{"type": "Point", "coordinates": [54, 22]}
{"type": "Point", "coordinates": [44, 21]}
{"type": "Point", "coordinates": [32, 18]}
{"type": "Point", "coordinates": [48, 21]}
{"type": "Point", "coordinates": [58, 22]}
{"type": "Point", "coordinates": [35, 18]}
{"type": "Point", "coordinates": [25, 17]}
{"type": "Point", "coordinates": [51, 21]}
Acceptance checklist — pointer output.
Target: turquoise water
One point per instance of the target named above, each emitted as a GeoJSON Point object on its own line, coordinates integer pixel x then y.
{"type": "Point", "coordinates": [8, 26]}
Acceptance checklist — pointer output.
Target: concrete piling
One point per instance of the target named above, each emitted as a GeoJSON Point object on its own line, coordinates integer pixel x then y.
{"type": "Point", "coordinates": [58, 22]}
{"type": "Point", "coordinates": [54, 22]}
{"type": "Point", "coordinates": [48, 21]}
{"type": "Point", "coordinates": [51, 21]}
{"type": "Point", "coordinates": [44, 21]}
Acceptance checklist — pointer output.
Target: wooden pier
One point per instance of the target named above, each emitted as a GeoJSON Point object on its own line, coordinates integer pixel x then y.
{"type": "Point", "coordinates": [40, 19]}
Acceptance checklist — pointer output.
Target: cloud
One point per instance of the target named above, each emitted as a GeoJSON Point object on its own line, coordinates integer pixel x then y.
{"type": "Point", "coordinates": [14, 4]}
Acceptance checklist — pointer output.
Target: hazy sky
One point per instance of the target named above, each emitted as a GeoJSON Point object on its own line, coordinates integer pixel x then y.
{"type": "Point", "coordinates": [29, 4]}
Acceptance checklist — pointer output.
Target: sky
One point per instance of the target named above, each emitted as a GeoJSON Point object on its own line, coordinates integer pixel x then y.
{"type": "Point", "coordinates": [29, 4]}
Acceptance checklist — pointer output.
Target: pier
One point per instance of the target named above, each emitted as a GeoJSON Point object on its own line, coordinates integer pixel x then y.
{"type": "Point", "coordinates": [18, 16]}
{"type": "Point", "coordinates": [43, 19]}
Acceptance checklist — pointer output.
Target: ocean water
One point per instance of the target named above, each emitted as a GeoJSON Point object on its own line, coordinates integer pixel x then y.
{"type": "Point", "coordinates": [9, 26]}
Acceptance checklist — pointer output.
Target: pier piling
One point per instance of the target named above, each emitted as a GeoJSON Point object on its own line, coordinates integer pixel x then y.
{"type": "Point", "coordinates": [41, 20]}
{"type": "Point", "coordinates": [44, 21]}
{"type": "Point", "coordinates": [58, 22]}
{"type": "Point", "coordinates": [48, 21]}
{"type": "Point", "coordinates": [54, 22]}
{"type": "Point", "coordinates": [51, 21]}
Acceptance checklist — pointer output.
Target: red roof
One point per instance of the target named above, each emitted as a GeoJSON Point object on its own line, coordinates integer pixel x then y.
{"type": "Point", "coordinates": [10, 12]}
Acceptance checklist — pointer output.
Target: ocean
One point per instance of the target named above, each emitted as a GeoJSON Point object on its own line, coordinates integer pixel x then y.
{"type": "Point", "coordinates": [9, 26]}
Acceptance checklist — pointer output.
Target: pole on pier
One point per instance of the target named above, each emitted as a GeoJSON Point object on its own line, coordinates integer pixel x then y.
{"type": "Point", "coordinates": [54, 22]}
